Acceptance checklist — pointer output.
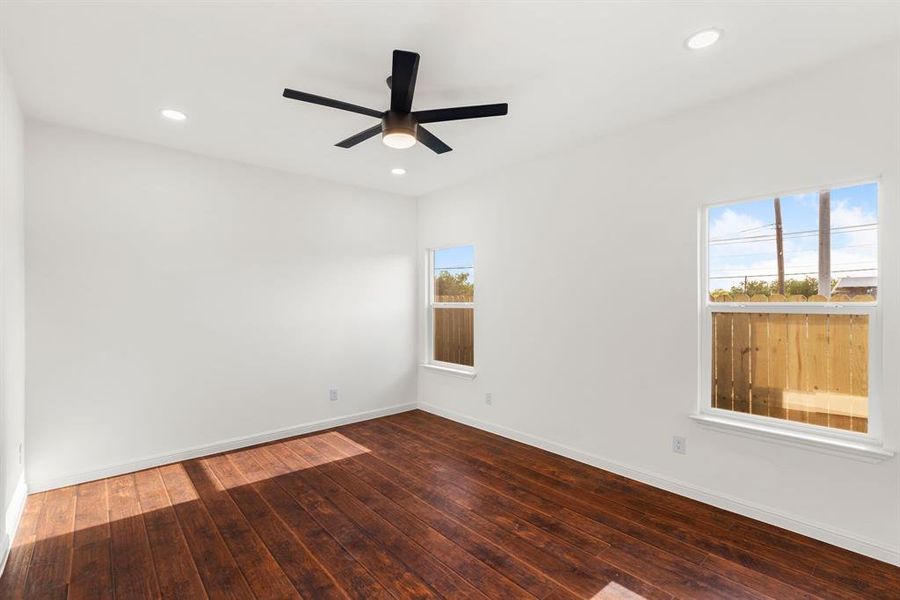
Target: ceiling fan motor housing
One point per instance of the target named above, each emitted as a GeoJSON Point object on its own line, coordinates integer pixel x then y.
{"type": "Point", "coordinates": [397, 122]}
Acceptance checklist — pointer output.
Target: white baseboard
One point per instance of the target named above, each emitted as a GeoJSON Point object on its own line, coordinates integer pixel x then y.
{"type": "Point", "coordinates": [50, 483]}
{"type": "Point", "coordinates": [748, 509]}
{"type": "Point", "coordinates": [12, 518]}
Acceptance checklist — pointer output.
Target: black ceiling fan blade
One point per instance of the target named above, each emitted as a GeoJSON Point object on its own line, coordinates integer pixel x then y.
{"type": "Point", "coordinates": [431, 141]}
{"type": "Point", "coordinates": [461, 112]}
{"type": "Point", "coordinates": [323, 101]}
{"type": "Point", "coordinates": [360, 137]}
{"type": "Point", "coordinates": [403, 80]}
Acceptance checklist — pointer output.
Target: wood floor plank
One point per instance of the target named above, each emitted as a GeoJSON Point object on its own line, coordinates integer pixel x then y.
{"type": "Point", "coordinates": [522, 464]}
{"type": "Point", "coordinates": [442, 579]}
{"type": "Point", "coordinates": [830, 563]}
{"type": "Point", "coordinates": [91, 571]}
{"type": "Point", "coordinates": [792, 581]}
{"type": "Point", "coordinates": [579, 575]}
{"type": "Point", "coordinates": [353, 577]}
{"type": "Point", "coordinates": [134, 574]}
{"type": "Point", "coordinates": [387, 568]}
{"type": "Point", "coordinates": [711, 538]}
{"type": "Point", "coordinates": [670, 571]}
{"type": "Point", "coordinates": [175, 569]}
{"type": "Point", "coordinates": [222, 579]}
{"type": "Point", "coordinates": [410, 506]}
{"type": "Point", "coordinates": [569, 471]}
{"type": "Point", "coordinates": [756, 546]}
{"type": "Point", "coordinates": [667, 571]}
{"type": "Point", "coordinates": [488, 508]}
{"type": "Point", "coordinates": [307, 574]}
{"type": "Point", "coordinates": [49, 569]}
{"type": "Point", "coordinates": [482, 576]}
{"type": "Point", "coordinates": [369, 470]}
{"type": "Point", "coordinates": [462, 449]}
{"type": "Point", "coordinates": [12, 584]}
{"type": "Point", "coordinates": [260, 569]}
{"type": "Point", "coordinates": [608, 514]}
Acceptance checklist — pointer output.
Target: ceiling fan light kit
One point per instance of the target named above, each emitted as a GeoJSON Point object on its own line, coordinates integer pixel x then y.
{"type": "Point", "coordinates": [398, 130]}
{"type": "Point", "coordinates": [400, 126]}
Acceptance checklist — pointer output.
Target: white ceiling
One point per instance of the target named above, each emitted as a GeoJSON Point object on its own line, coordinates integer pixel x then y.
{"type": "Point", "coordinates": [570, 71]}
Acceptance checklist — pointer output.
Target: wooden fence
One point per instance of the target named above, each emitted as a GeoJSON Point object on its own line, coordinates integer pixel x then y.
{"type": "Point", "coordinates": [811, 368]}
{"type": "Point", "coordinates": [454, 332]}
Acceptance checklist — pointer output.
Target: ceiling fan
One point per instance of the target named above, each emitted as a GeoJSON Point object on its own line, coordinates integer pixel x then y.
{"type": "Point", "coordinates": [400, 126]}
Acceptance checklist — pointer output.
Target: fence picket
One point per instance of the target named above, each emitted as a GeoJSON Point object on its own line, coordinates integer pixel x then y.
{"type": "Point", "coordinates": [723, 364]}
{"type": "Point", "coordinates": [859, 369]}
{"type": "Point", "coordinates": [759, 360]}
{"type": "Point", "coordinates": [797, 358]}
{"type": "Point", "coordinates": [818, 368]}
{"type": "Point", "coordinates": [777, 361]}
{"type": "Point", "coordinates": [740, 357]}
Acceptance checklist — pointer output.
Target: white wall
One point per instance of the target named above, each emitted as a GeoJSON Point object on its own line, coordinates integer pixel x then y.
{"type": "Point", "coordinates": [12, 310]}
{"type": "Point", "coordinates": [588, 303]}
{"type": "Point", "coordinates": [176, 301]}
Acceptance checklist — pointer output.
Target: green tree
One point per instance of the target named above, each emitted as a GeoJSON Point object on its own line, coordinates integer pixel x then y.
{"type": "Point", "coordinates": [447, 284]}
{"type": "Point", "coordinates": [753, 286]}
{"type": "Point", "coordinates": [808, 286]}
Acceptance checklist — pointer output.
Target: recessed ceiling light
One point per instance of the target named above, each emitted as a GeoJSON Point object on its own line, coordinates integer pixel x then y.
{"type": "Point", "coordinates": [703, 39]}
{"type": "Point", "coordinates": [172, 114]}
{"type": "Point", "coordinates": [398, 171]}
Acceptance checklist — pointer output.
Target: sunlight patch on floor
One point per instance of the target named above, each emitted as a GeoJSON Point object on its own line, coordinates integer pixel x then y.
{"type": "Point", "coordinates": [159, 488]}
{"type": "Point", "coordinates": [614, 591]}
{"type": "Point", "coordinates": [256, 464]}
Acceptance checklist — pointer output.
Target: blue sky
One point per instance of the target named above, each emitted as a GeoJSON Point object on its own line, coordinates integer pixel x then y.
{"type": "Point", "coordinates": [742, 236]}
{"type": "Point", "coordinates": [459, 259]}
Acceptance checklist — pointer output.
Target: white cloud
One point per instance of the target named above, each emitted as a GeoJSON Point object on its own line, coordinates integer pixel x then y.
{"type": "Point", "coordinates": [734, 224]}
{"type": "Point", "coordinates": [850, 252]}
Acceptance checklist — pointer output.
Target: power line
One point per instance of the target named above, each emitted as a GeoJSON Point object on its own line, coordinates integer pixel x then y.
{"type": "Point", "coordinates": [742, 275]}
{"type": "Point", "coordinates": [793, 234]}
{"type": "Point", "coordinates": [757, 227]}
{"type": "Point", "coordinates": [771, 252]}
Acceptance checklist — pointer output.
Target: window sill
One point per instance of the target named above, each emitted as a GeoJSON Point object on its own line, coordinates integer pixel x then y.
{"type": "Point", "coordinates": [462, 373]}
{"type": "Point", "coordinates": [820, 443]}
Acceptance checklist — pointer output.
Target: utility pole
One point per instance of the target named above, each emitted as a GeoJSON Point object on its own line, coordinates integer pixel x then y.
{"type": "Point", "coordinates": [825, 243]}
{"type": "Point", "coordinates": [779, 245]}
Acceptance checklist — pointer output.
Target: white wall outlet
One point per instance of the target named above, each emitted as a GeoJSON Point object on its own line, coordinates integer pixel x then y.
{"type": "Point", "coordinates": [333, 394]}
{"type": "Point", "coordinates": [679, 445]}
{"type": "Point", "coordinates": [488, 399]}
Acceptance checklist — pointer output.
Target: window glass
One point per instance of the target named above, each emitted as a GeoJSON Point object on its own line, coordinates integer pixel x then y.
{"type": "Point", "coordinates": [454, 330]}
{"type": "Point", "coordinates": [454, 274]}
{"type": "Point", "coordinates": [452, 305]}
{"type": "Point", "coordinates": [807, 365]}
{"type": "Point", "coordinates": [745, 239]}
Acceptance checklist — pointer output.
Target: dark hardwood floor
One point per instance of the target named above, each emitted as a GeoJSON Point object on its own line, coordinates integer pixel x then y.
{"type": "Point", "coordinates": [409, 506]}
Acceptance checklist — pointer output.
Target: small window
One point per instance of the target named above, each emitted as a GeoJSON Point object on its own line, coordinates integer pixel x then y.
{"type": "Point", "coordinates": [791, 299]}
{"type": "Point", "coordinates": [452, 310]}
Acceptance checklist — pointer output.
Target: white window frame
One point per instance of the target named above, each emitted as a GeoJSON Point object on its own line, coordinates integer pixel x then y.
{"type": "Point", "coordinates": [450, 368]}
{"type": "Point", "coordinates": [867, 446]}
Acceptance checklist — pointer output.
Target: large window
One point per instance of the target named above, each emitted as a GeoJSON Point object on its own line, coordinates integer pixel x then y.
{"type": "Point", "coordinates": [452, 306]}
{"type": "Point", "coordinates": [791, 309]}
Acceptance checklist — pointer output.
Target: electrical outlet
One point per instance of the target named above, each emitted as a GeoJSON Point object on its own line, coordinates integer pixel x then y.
{"type": "Point", "coordinates": [333, 394]}
{"type": "Point", "coordinates": [679, 445]}
{"type": "Point", "coordinates": [488, 399]}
